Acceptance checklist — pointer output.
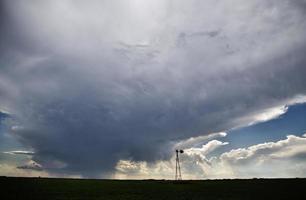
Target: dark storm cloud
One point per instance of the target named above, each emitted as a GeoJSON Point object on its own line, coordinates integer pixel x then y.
{"type": "Point", "coordinates": [91, 84]}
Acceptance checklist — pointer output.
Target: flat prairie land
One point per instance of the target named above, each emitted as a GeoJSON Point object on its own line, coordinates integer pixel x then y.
{"type": "Point", "coordinates": [51, 188]}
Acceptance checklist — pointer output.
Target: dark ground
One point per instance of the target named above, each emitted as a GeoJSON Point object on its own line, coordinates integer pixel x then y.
{"type": "Point", "coordinates": [46, 188]}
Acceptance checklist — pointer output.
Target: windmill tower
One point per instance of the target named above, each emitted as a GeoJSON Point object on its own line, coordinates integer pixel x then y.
{"type": "Point", "coordinates": [178, 175]}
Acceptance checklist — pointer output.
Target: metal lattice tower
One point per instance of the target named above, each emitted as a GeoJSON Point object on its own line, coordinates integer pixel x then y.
{"type": "Point", "coordinates": [178, 174]}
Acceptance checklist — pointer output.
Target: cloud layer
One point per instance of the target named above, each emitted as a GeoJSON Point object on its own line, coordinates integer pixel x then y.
{"type": "Point", "coordinates": [90, 84]}
{"type": "Point", "coordinates": [284, 158]}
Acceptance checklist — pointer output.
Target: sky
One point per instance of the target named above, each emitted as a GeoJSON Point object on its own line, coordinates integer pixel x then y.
{"type": "Point", "coordinates": [109, 89]}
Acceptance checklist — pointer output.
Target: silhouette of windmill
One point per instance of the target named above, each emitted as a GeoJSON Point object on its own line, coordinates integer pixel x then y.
{"type": "Point", "coordinates": [178, 175]}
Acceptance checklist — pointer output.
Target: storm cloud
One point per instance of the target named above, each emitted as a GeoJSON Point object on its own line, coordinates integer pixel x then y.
{"type": "Point", "coordinates": [89, 84]}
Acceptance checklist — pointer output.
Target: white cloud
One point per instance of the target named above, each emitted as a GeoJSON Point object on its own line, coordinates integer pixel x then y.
{"type": "Point", "coordinates": [4, 111]}
{"type": "Point", "coordinates": [283, 149]}
{"type": "Point", "coordinates": [283, 158]}
{"type": "Point", "coordinates": [30, 153]}
{"type": "Point", "coordinates": [273, 112]}
{"type": "Point", "coordinates": [197, 141]}
{"type": "Point", "coordinates": [207, 148]}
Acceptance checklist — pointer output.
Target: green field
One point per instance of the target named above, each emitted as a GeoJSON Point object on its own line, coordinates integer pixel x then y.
{"type": "Point", "coordinates": [46, 188]}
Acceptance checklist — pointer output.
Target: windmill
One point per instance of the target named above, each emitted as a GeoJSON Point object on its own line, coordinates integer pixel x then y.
{"type": "Point", "coordinates": [178, 175]}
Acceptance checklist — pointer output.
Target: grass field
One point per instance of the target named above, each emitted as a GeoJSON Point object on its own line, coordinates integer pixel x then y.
{"type": "Point", "coordinates": [45, 188]}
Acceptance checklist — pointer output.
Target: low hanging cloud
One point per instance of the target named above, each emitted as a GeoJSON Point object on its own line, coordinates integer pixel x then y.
{"type": "Point", "coordinates": [207, 148]}
{"type": "Point", "coordinates": [32, 165]}
{"type": "Point", "coordinates": [89, 84]}
{"type": "Point", "coordinates": [197, 141]}
{"type": "Point", "coordinates": [284, 158]}
{"type": "Point", "coordinates": [293, 147]}
{"type": "Point", "coordinates": [268, 160]}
